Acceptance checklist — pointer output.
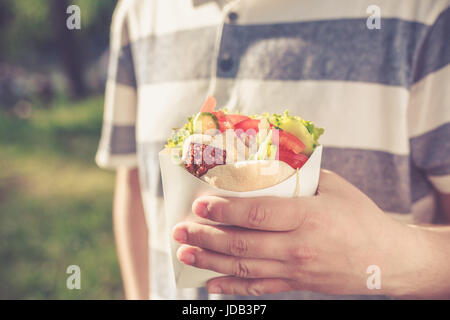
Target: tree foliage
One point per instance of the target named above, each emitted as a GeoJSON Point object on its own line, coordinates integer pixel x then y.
{"type": "Point", "coordinates": [28, 33]}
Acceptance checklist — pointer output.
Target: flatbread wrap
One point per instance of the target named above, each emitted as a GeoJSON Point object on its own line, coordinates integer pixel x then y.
{"type": "Point", "coordinates": [236, 152]}
{"type": "Point", "coordinates": [226, 154]}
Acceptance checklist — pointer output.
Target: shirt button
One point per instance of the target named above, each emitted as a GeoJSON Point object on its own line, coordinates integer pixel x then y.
{"type": "Point", "coordinates": [232, 17]}
{"type": "Point", "coordinates": [226, 63]}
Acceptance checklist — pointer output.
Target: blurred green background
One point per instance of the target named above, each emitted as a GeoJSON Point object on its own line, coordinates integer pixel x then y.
{"type": "Point", "coordinates": [55, 204]}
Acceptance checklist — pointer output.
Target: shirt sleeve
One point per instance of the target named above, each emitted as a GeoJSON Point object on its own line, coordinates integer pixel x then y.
{"type": "Point", "coordinates": [117, 145]}
{"type": "Point", "coordinates": [429, 106]}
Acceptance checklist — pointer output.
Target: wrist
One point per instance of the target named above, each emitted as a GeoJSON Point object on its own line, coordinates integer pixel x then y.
{"type": "Point", "coordinates": [420, 266]}
{"type": "Point", "coordinates": [405, 258]}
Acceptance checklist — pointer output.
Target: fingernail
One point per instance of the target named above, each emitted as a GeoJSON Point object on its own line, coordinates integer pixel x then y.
{"type": "Point", "coordinates": [201, 209]}
{"type": "Point", "coordinates": [180, 235]}
{"type": "Point", "coordinates": [215, 289]}
{"type": "Point", "coordinates": [187, 258]}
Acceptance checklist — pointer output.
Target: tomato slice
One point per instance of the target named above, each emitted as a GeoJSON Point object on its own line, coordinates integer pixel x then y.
{"type": "Point", "coordinates": [287, 141]}
{"type": "Point", "coordinates": [246, 130]}
{"type": "Point", "coordinates": [247, 125]}
{"type": "Point", "coordinates": [228, 121]}
{"type": "Point", "coordinates": [224, 124]}
{"type": "Point", "coordinates": [209, 105]}
{"type": "Point", "coordinates": [296, 161]}
{"type": "Point", "coordinates": [236, 118]}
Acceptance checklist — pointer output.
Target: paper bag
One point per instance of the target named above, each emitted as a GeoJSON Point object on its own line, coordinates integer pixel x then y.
{"type": "Point", "coordinates": [181, 189]}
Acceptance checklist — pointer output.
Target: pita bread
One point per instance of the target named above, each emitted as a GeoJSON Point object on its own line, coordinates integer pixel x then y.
{"type": "Point", "coordinates": [248, 175]}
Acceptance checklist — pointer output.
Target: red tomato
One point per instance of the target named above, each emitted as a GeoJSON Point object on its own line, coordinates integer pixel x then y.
{"type": "Point", "coordinates": [224, 123]}
{"type": "Point", "coordinates": [236, 118]}
{"type": "Point", "coordinates": [209, 105]}
{"type": "Point", "coordinates": [247, 125]}
{"type": "Point", "coordinates": [296, 161]}
{"type": "Point", "coordinates": [246, 130]}
{"type": "Point", "coordinates": [287, 141]}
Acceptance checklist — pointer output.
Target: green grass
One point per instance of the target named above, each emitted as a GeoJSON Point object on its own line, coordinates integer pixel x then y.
{"type": "Point", "coordinates": [55, 205]}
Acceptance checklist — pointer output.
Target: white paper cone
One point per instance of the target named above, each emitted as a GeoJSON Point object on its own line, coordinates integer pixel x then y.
{"type": "Point", "coordinates": [181, 189]}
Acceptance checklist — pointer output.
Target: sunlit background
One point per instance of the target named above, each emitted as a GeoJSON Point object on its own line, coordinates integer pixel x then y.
{"type": "Point", "coordinates": [55, 204]}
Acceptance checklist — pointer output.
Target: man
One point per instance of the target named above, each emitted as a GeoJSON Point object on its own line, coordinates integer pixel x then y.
{"type": "Point", "coordinates": [381, 96]}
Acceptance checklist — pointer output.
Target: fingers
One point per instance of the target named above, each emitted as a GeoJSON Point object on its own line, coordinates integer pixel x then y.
{"type": "Point", "coordinates": [239, 267]}
{"type": "Point", "coordinates": [249, 287]}
{"type": "Point", "coordinates": [265, 213]}
{"type": "Point", "coordinates": [235, 241]}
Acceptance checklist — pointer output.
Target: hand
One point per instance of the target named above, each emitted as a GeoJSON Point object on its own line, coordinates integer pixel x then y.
{"type": "Point", "coordinates": [323, 243]}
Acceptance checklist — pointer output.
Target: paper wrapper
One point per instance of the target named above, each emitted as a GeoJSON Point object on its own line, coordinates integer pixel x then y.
{"type": "Point", "coordinates": [181, 189]}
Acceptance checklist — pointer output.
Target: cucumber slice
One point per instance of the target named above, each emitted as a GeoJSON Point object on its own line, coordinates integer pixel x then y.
{"type": "Point", "coordinates": [298, 129]}
{"type": "Point", "coordinates": [295, 126]}
{"type": "Point", "coordinates": [205, 121]}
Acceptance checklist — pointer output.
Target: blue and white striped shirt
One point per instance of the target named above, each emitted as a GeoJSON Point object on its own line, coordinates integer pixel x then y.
{"type": "Point", "coordinates": [382, 95]}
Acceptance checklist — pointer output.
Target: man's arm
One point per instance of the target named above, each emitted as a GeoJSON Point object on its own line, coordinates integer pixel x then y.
{"type": "Point", "coordinates": [131, 234]}
{"type": "Point", "coordinates": [327, 243]}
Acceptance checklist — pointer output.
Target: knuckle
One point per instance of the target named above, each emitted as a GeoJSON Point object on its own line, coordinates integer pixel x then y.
{"type": "Point", "coordinates": [241, 269]}
{"type": "Point", "coordinates": [257, 215]}
{"type": "Point", "coordinates": [237, 246]}
{"type": "Point", "coordinates": [230, 287]}
{"type": "Point", "coordinates": [254, 289]}
{"type": "Point", "coordinates": [302, 253]}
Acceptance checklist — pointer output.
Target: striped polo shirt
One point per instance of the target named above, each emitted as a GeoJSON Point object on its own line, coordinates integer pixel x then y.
{"type": "Point", "coordinates": [382, 94]}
